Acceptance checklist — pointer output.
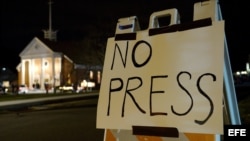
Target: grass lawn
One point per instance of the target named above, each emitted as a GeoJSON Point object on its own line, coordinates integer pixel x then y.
{"type": "Point", "coordinates": [244, 109]}
{"type": "Point", "coordinates": [244, 105]}
{"type": "Point", "coordinates": [8, 97]}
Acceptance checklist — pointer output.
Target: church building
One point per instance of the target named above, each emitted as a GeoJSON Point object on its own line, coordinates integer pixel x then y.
{"type": "Point", "coordinates": [48, 61]}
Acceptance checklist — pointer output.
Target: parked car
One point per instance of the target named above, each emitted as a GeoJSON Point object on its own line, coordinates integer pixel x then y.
{"type": "Point", "coordinates": [66, 88]}
{"type": "Point", "coordinates": [80, 89]}
{"type": "Point", "coordinates": [23, 89]}
{"type": "Point", "coordinates": [85, 86]}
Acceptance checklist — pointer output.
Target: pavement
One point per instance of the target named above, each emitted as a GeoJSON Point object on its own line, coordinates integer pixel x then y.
{"type": "Point", "coordinates": [37, 102]}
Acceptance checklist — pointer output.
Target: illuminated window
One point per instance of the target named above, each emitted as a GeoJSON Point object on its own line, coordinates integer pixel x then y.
{"type": "Point", "coordinates": [98, 77]}
{"type": "Point", "coordinates": [91, 74]}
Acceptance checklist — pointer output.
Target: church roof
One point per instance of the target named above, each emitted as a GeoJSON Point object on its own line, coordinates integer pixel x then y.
{"type": "Point", "coordinates": [75, 50]}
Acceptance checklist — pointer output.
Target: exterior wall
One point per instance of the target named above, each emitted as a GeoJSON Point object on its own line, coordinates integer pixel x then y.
{"type": "Point", "coordinates": [85, 74]}
{"type": "Point", "coordinates": [55, 72]}
{"type": "Point", "coordinates": [80, 74]}
{"type": "Point", "coordinates": [67, 72]}
{"type": "Point", "coordinates": [36, 72]}
{"type": "Point", "coordinates": [40, 65]}
{"type": "Point", "coordinates": [27, 73]}
{"type": "Point", "coordinates": [58, 70]}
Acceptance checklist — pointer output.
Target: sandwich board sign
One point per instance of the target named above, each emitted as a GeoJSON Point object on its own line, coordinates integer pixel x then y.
{"type": "Point", "coordinates": [163, 77]}
{"type": "Point", "coordinates": [141, 86]}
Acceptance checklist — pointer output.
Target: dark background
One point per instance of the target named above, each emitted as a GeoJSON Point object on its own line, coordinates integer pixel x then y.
{"type": "Point", "coordinates": [22, 20]}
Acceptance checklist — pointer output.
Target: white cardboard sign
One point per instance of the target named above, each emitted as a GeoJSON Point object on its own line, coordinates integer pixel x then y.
{"type": "Point", "coordinates": [166, 80]}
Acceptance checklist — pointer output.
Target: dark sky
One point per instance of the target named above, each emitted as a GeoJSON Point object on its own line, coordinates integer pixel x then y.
{"type": "Point", "coordinates": [22, 20]}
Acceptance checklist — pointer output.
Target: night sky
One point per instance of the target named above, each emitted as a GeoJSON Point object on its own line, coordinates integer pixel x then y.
{"type": "Point", "coordinates": [22, 20]}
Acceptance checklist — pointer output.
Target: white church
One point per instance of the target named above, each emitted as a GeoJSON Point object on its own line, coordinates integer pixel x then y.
{"type": "Point", "coordinates": [43, 61]}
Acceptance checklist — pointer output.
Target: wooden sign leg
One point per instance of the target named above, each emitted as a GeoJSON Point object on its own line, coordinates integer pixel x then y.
{"type": "Point", "coordinates": [200, 137]}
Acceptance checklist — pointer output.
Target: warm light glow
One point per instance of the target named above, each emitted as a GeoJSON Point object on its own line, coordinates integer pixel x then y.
{"type": "Point", "coordinates": [34, 68]}
{"type": "Point", "coordinates": [57, 65]}
{"type": "Point", "coordinates": [237, 73]}
{"type": "Point", "coordinates": [91, 74]}
{"type": "Point", "coordinates": [98, 77]}
{"type": "Point", "coordinates": [87, 84]}
{"type": "Point", "coordinates": [243, 72]}
{"type": "Point", "coordinates": [248, 67]}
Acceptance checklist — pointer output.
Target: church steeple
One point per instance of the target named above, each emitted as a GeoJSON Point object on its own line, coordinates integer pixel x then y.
{"type": "Point", "coordinates": [49, 33]}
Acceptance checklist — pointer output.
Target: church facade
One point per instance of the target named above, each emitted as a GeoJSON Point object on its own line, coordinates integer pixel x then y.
{"type": "Point", "coordinates": [41, 65]}
{"type": "Point", "coordinates": [54, 63]}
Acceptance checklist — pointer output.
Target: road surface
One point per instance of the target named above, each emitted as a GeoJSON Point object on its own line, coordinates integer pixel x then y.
{"type": "Point", "coordinates": [58, 124]}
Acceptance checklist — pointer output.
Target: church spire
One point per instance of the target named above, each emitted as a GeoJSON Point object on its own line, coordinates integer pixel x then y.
{"type": "Point", "coordinates": [50, 34]}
